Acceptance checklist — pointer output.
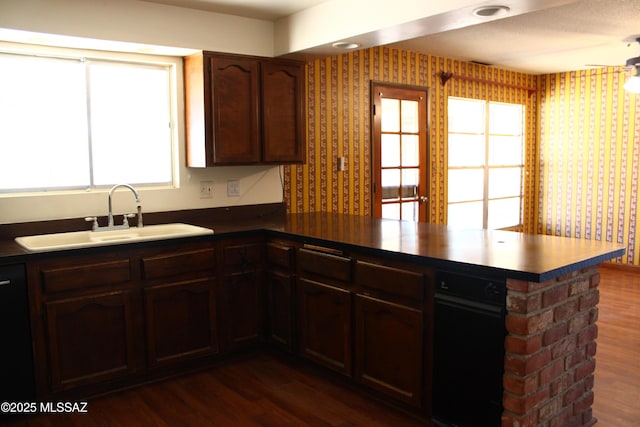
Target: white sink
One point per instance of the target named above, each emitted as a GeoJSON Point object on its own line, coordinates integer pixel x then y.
{"type": "Point", "coordinates": [85, 239]}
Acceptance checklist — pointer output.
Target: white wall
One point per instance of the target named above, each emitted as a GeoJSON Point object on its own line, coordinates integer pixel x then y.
{"type": "Point", "coordinates": [149, 23]}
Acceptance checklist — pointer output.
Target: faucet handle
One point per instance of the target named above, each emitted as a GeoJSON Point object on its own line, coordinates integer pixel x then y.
{"type": "Point", "coordinates": [93, 219]}
{"type": "Point", "coordinates": [125, 218]}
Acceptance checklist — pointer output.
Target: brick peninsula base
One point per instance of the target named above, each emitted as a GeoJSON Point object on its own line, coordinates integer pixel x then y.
{"type": "Point", "coordinates": [550, 351]}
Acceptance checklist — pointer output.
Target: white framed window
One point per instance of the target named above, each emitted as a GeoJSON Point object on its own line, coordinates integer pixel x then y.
{"type": "Point", "coordinates": [79, 122]}
{"type": "Point", "coordinates": [485, 163]}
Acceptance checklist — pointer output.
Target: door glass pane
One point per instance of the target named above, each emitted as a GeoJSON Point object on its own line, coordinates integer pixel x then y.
{"type": "Point", "coordinates": [466, 150]}
{"type": "Point", "coordinates": [410, 211]}
{"type": "Point", "coordinates": [409, 116]}
{"type": "Point", "coordinates": [505, 150]}
{"type": "Point", "coordinates": [504, 213]}
{"type": "Point", "coordinates": [505, 119]}
{"type": "Point", "coordinates": [391, 211]}
{"type": "Point", "coordinates": [390, 183]}
{"type": "Point", "coordinates": [390, 147]}
{"type": "Point", "coordinates": [390, 115]}
{"type": "Point", "coordinates": [466, 115]}
{"type": "Point", "coordinates": [136, 99]}
{"type": "Point", "coordinates": [43, 136]}
{"type": "Point", "coordinates": [504, 182]}
{"type": "Point", "coordinates": [410, 182]}
{"type": "Point", "coordinates": [410, 150]}
{"type": "Point", "coordinates": [465, 185]}
{"type": "Point", "coordinates": [465, 215]}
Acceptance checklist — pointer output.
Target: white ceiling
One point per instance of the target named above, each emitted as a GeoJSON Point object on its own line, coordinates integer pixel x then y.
{"type": "Point", "coordinates": [556, 39]}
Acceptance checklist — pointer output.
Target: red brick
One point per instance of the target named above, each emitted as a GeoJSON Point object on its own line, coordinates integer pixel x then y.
{"type": "Point", "coordinates": [562, 418]}
{"type": "Point", "coordinates": [591, 349]}
{"type": "Point", "coordinates": [565, 310]}
{"type": "Point", "coordinates": [523, 303]}
{"type": "Point", "coordinates": [584, 404]}
{"type": "Point", "coordinates": [552, 371]}
{"type": "Point", "coordinates": [554, 334]}
{"type": "Point", "coordinates": [527, 287]}
{"type": "Point", "coordinates": [589, 300]}
{"type": "Point", "coordinates": [555, 295]}
{"type": "Point", "coordinates": [520, 385]}
{"type": "Point", "coordinates": [521, 405]}
{"type": "Point", "coordinates": [562, 384]}
{"type": "Point", "coordinates": [579, 322]}
{"type": "Point", "coordinates": [521, 325]}
{"type": "Point", "coordinates": [523, 345]}
{"type": "Point", "coordinates": [594, 280]}
{"type": "Point", "coordinates": [564, 347]}
{"type": "Point", "coordinates": [587, 417]}
{"type": "Point", "coordinates": [580, 287]}
{"type": "Point", "coordinates": [576, 357]}
{"type": "Point", "coordinates": [585, 369]}
{"type": "Point", "coordinates": [525, 365]}
{"type": "Point", "coordinates": [550, 409]}
{"type": "Point", "coordinates": [573, 394]}
{"type": "Point", "coordinates": [568, 276]}
{"type": "Point", "coordinates": [593, 315]}
{"type": "Point", "coordinates": [588, 335]}
{"type": "Point", "coordinates": [588, 382]}
{"type": "Point", "coordinates": [513, 420]}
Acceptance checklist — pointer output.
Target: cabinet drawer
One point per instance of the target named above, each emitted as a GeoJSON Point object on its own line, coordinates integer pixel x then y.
{"type": "Point", "coordinates": [325, 265]}
{"type": "Point", "coordinates": [167, 265]}
{"type": "Point", "coordinates": [280, 255]}
{"type": "Point", "coordinates": [389, 280]}
{"type": "Point", "coordinates": [243, 257]}
{"type": "Point", "coordinates": [85, 275]}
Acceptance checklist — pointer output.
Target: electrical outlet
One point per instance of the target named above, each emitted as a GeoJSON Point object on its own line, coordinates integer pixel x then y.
{"type": "Point", "coordinates": [233, 188]}
{"type": "Point", "coordinates": [206, 189]}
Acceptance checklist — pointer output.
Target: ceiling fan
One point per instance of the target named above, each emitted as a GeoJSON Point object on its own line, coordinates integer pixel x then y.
{"type": "Point", "coordinates": [631, 65]}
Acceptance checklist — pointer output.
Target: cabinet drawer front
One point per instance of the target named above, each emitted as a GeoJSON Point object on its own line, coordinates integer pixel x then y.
{"type": "Point", "coordinates": [393, 281]}
{"type": "Point", "coordinates": [325, 265]}
{"type": "Point", "coordinates": [85, 276]}
{"type": "Point", "coordinates": [280, 255]}
{"type": "Point", "coordinates": [243, 257]}
{"type": "Point", "coordinates": [179, 263]}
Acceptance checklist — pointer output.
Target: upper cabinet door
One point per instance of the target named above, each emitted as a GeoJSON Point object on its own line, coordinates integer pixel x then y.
{"type": "Point", "coordinates": [235, 118]}
{"type": "Point", "coordinates": [283, 112]}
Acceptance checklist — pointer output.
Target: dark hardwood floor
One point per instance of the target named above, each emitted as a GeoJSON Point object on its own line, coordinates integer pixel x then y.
{"type": "Point", "coordinates": [263, 390]}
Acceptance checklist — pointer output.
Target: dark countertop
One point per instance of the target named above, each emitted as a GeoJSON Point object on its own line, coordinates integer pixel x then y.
{"type": "Point", "coordinates": [486, 252]}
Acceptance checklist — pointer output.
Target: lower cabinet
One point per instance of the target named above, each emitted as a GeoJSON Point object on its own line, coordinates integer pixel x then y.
{"type": "Point", "coordinates": [92, 339]}
{"type": "Point", "coordinates": [325, 325]}
{"type": "Point", "coordinates": [180, 321]}
{"type": "Point", "coordinates": [280, 282]}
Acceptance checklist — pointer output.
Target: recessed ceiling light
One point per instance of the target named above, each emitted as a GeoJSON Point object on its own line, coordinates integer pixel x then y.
{"type": "Point", "coordinates": [345, 45]}
{"type": "Point", "coordinates": [491, 11]}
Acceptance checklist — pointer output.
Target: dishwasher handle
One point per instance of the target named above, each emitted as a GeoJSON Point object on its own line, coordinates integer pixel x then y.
{"type": "Point", "coordinates": [5, 282]}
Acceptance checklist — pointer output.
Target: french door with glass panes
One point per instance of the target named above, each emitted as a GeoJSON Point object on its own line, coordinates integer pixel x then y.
{"type": "Point", "coordinates": [399, 170]}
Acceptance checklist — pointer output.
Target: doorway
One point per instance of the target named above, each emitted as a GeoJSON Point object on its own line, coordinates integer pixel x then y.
{"type": "Point", "coordinates": [400, 151]}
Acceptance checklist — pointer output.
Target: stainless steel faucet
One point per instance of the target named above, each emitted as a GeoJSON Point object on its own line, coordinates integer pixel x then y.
{"type": "Point", "coordinates": [139, 207]}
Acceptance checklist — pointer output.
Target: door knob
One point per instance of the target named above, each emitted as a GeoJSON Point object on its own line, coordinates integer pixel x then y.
{"type": "Point", "coordinates": [423, 199]}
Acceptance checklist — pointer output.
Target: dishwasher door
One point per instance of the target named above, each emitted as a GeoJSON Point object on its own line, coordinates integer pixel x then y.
{"type": "Point", "coordinates": [468, 362]}
{"type": "Point", "coordinates": [16, 356]}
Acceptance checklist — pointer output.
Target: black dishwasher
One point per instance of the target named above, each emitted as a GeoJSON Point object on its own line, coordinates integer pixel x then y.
{"type": "Point", "coordinates": [16, 356]}
{"type": "Point", "coordinates": [469, 334]}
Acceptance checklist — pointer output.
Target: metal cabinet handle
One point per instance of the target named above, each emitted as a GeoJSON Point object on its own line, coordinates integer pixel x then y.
{"type": "Point", "coordinates": [5, 282]}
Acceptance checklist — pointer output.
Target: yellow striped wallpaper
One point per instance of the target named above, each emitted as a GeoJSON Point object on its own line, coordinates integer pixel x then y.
{"type": "Point", "coordinates": [338, 103]}
{"type": "Point", "coordinates": [589, 155]}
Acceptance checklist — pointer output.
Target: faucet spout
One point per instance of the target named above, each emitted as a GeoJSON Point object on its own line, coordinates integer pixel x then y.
{"type": "Point", "coordinates": [135, 193]}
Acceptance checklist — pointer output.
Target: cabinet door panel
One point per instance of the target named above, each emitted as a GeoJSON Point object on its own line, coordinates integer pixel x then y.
{"type": "Point", "coordinates": [389, 348]}
{"type": "Point", "coordinates": [181, 321]}
{"type": "Point", "coordinates": [325, 325]}
{"type": "Point", "coordinates": [280, 291]}
{"type": "Point", "coordinates": [282, 112]}
{"type": "Point", "coordinates": [235, 121]}
{"type": "Point", "coordinates": [243, 310]}
{"type": "Point", "coordinates": [91, 339]}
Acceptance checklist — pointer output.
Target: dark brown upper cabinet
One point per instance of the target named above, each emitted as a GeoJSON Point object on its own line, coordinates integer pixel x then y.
{"type": "Point", "coordinates": [243, 110]}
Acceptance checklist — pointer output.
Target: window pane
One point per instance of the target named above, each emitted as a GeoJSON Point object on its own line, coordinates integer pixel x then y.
{"type": "Point", "coordinates": [505, 119]}
{"type": "Point", "coordinates": [466, 115]}
{"type": "Point", "coordinates": [504, 182]}
{"type": "Point", "coordinates": [505, 150]}
{"type": "Point", "coordinates": [130, 123]}
{"type": "Point", "coordinates": [410, 150]}
{"type": "Point", "coordinates": [391, 211]}
{"type": "Point", "coordinates": [390, 148]}
{"type": "Point", "coordinates": [43, 133]}
{"type": "Point", "coordinates": [465, 215]}
{"type": "Point", "coordinates": [390, 115]}
{"type": "Point", "coordinates": [409, 116]}
{"type": "Point", "coordinates": [465, 185]}
{"type": "Point", "coordinates": [466, 150]}
{"type": "Point", "coordinates": [410, 182]}
{"type": "Point", "coordinates": [504, 213]}
{"type": "Point", "coordinates": [410, 211]}
{"type": "Point", "coordinates": [390, 184]}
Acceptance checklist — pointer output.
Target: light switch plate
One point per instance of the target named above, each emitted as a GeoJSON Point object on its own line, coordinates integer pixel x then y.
{"type": "Point", "coordinates": [233, 188]}
{"type": "Point", "coordinates": [206, 189]}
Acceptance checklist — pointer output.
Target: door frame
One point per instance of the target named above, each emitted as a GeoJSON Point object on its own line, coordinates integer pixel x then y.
{"type": "Point", "coordinates": [423, 190]}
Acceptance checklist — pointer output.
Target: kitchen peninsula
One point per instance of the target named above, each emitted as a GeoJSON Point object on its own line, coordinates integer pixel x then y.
{"type": "Point", "coordinates": [383, 286]}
